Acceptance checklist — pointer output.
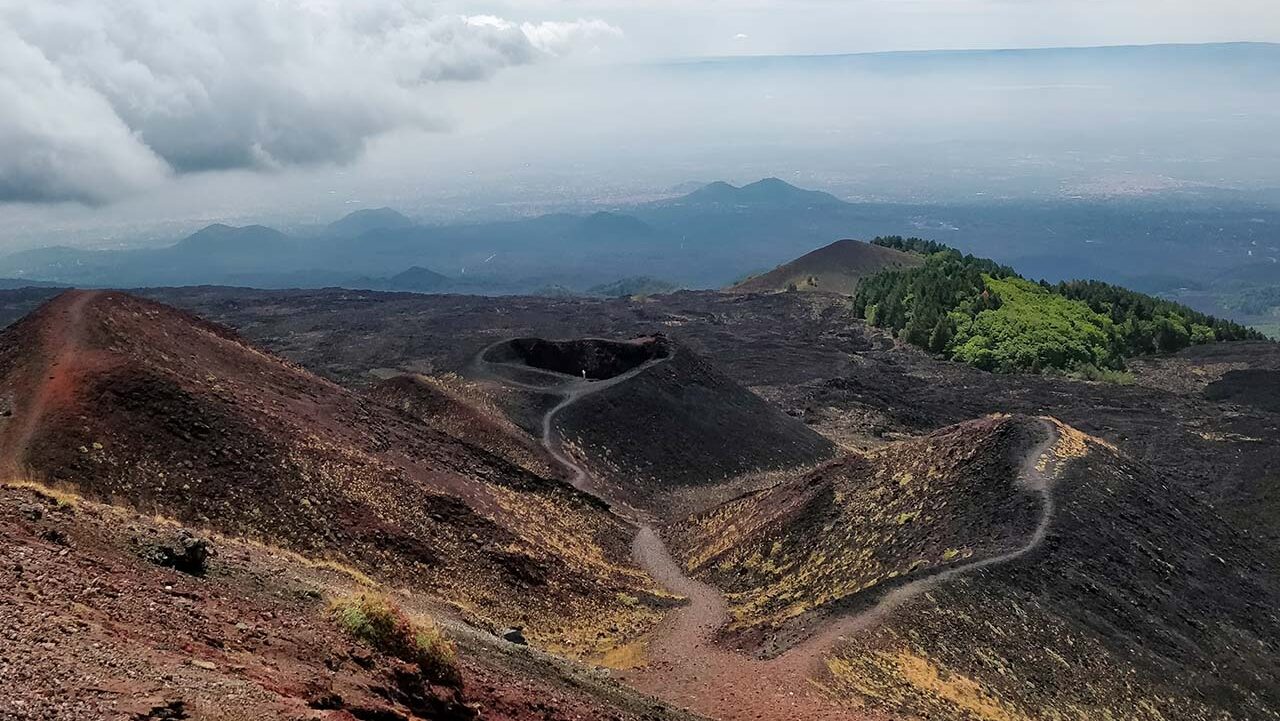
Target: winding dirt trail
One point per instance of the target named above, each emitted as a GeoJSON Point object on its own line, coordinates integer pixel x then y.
{"type": "Point", "coordinates": [1034, 475]}
{"type": "Point", "coordinates": [63, 342]}
{"type": "Point", "coordinates": [685, 664]}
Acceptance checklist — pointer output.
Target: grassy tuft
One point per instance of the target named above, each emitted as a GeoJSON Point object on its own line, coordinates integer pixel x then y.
{"type": "Point", "coordinates": [376, 621]}
{"type": "Point", "coordinates": [59, 497]}
{"type": "Point", "coordinates": [1102, 375]}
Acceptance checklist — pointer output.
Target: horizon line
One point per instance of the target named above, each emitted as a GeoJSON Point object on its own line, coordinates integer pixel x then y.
{"type": "Point", "coordinates": [961, 50]}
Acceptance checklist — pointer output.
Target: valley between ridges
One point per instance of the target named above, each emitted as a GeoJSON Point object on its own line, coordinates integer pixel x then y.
{"type": "Point", "coordinates": [685, 665]}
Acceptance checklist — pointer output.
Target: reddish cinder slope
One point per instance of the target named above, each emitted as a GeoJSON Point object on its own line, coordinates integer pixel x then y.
{"type": "Point", "coordinates": [835, 268]}
{"type": "Point", "coordinates": [93, 629]}
{"type": "Point", "coordinates": [136, 403]}
{"type": "Point", "coordinates": [831, 542]}
{"type": "Point", "coordinates": [463, 410]}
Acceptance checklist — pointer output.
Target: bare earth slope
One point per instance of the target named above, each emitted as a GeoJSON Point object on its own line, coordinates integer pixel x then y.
{"type": "Point", "coordinates": [689, 664]}
{"type": "Point", "coordinates": [1117, 597]}
{"type": "Point", "coordinates": [831, 542]}
{"type": "Point", "coordinates": [1151, 595]}
{"type": "Point", "coordinates": [93, 630]}
{"type": "Point", "coordinates": [466, 411]}
{"type": "Point", "coordinates": [658, 417]}
{"type": "Point", "coordinates": [1140, 603]}
{"type": "Point", "coordinates": [834, 268]}
{"type": "Point", "coordinates": [814, 550]}
{"type": "Point", "coordinates": [135, 403]}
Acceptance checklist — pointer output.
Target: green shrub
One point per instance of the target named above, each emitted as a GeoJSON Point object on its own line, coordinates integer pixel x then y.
{"type": "Point", "coordinates": [1034, 329]}
{"type": "Point", "coordinates": [982, 313]}
{"type": "Point", "coordinates": [1102, 375]}
{"type": "Point", "coordinates": [375, 621]}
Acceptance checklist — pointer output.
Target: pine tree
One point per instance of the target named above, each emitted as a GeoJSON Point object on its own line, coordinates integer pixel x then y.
{"type": "Point", "coordinates": [943, 331]}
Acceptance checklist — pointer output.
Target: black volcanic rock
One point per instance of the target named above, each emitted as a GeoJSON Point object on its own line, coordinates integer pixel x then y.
{"type": "Point", "coordinates": [1256, 387]}
{"type": "Point", "coordinates": [682, 422]}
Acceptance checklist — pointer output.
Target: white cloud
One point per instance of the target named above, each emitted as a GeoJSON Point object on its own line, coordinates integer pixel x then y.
{"type": "Point", "coordinates": [560, 38]}
{"type": "Point", "coordinates": [102, 99]}
{"type": "Point", "coordinates": [60, 139]}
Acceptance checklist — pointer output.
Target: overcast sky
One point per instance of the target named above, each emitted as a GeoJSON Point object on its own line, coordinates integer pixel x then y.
{"type": "Point", "coordinates": [717, 27]}
{"type": "Point", "coordinates": [103, 102]}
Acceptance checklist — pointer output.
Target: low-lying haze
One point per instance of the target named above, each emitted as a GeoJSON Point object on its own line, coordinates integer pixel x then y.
{"type": "Point", "coordinates": [138, 122]}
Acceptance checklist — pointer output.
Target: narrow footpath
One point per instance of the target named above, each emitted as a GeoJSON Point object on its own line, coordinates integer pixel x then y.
{"type": "Point", "coordinates": [685, 665]}
{"type": "Point", "coordinates": [63, 345]}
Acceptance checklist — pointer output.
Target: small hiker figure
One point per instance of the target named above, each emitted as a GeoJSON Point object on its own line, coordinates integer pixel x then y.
{"type": "Point", "coordinates": [584, 374]}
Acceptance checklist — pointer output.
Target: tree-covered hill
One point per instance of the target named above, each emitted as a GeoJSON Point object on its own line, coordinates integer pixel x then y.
{"type": "Point", "coordinates": [983, 313]}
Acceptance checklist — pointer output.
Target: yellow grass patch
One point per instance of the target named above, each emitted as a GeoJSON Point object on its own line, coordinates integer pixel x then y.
{"type": "Point", "coordinates": [62, 497]}
{"type": "Point", "coordinates": [626, 656]}
{"type": "Point", "coordinates": [958, 689]}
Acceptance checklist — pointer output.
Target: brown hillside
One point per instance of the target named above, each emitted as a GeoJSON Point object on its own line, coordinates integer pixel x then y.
{"type": "Point", "coordinates": [835, 268]}
{"type": "Point", "coordinates": [1142, 603]}
{"type": "Point", "coordinates": [834, 540]}
{"type": "Point", "coordinates": [135, 403]}
{"type": "Point", "coordinates": [465, 411]}
{"type": "Point", "coordinates": [1134, 599]}
{"type": "Point", "coordinates": [93, 629]}
{"type": "Point", "coordinates": [651, 417]}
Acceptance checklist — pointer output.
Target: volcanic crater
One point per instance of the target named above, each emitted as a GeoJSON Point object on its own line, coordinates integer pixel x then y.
{"type": "Point", "coordinates": [591, 358]}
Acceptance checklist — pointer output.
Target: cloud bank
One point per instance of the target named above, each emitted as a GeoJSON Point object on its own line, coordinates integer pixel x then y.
{"type": "Point", "coordinates": [103, 99]}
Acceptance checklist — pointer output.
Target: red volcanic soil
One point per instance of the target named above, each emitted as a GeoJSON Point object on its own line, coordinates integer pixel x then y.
{"type": "Point", "coordinates": [685, 660]}
{"type": "Point", "coordinates": [131, 402]}
{"type": "Point", "coordinates": [835, 268]}
{"type": "Point", "coordinates": [690, 665]}
{"type": "Point", "coordinates": [92, 630]}
{"type": "Point", "coordinates": [1150, 591]}
{"type": "Point", "coordinates": [464, 411]}
{"type": "Point", "coordinates": [50, 378]}
{"type": "Point", "coordinates": [686, 665]}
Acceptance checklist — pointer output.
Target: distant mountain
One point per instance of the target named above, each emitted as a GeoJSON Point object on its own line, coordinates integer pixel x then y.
{"type": "Point", "coordinates": [14, 283]}
{"type": "Point", "coordinates": [363, 221]}
{"type": "Point", "coordinates": [635, 285]}
{"type": "Point", "coordinates": [39, 262]}
{"type": "Point", "coordinates": [767, 192]}
{"type": "Point", "coordinates": [687, 187]}
{"type": "Point", "coordinates": [215, 254]}
{"type": "Point", "coordinates": [418, 279]}
{"type": "Point", "coordinates": [219, 240]}
{"type": "Point", "coordinates": [717, 192]}
{"type": "Point", "coordinates": [706, 239]}
{"type": "Point", "coordinates": [835, 268]}
{"type": "Point", "coordinates": [613, 226]}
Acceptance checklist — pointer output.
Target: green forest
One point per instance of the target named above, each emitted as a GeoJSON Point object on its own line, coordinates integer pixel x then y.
{"type": "Point", "coordinates": [982, 313]}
